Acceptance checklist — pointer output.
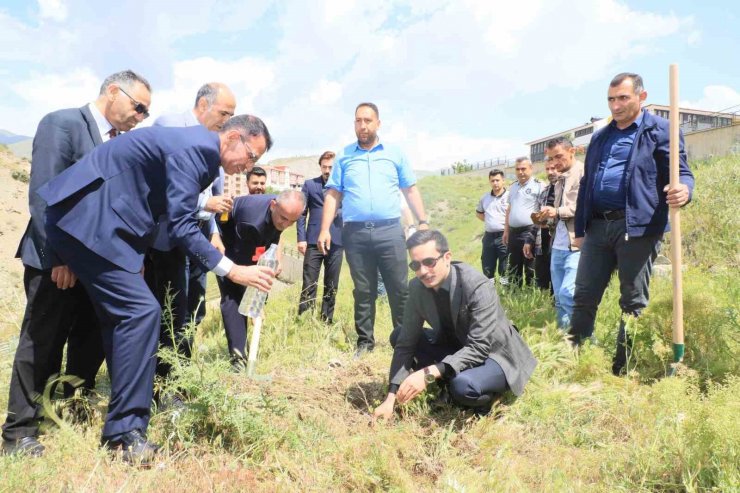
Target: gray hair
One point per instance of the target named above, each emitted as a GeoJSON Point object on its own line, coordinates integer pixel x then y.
{"type": "Point", "coordinates": [637, 84]}
{"type": "Point", "coordinates": [249, 125]}
{"type": "Point", "coordinates": [523, 159]}
{"type": "Point", "coordinates": [291, 195]}
{"type": "Point", "coordinates": [125, 78]}
{"type": "Point", "coordinates": [208, 91]}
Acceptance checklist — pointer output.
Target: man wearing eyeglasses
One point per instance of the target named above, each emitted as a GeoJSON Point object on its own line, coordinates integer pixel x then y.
{"type": "Point", "coordinates": [168, 269]}
{"type": "Point", "coordinates": [58, 308]}
{"type": "Point", "coordinates": [101, 217]}
{"type": "Point", "coordinates": [470, 344]}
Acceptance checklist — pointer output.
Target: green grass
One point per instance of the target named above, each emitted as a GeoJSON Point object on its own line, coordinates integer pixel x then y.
{"type": "Point", "coordinates": [576, 428]}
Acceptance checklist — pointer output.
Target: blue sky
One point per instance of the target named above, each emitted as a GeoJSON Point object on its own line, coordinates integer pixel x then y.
{"type": "Point", "coordinates": [454, 79]}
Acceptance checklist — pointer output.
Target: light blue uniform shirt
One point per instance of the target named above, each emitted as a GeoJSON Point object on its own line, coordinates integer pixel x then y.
{"type": "Point", "coordinates": [369, 181]}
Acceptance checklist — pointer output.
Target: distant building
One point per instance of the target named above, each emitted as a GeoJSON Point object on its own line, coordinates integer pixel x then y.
{"type": "Point", "coordinates": [690, 121]}
{"type": "Point", "coordinates": [278, 178]}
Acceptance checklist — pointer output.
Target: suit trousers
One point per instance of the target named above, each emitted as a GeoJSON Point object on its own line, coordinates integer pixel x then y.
{"type": "Point", "coordinates": [51, 316]}
{"type": "Point", "coordinates": [542, 261]}
{"type": "Point", "coordinates": [235, 324]}
{"type": "Point", "coordinates": [494, 255]}
{"type": "Point", "coordinates": [521, 269]}
{"type": "Point", "coordinates": [312, 261]}
{"type": "Point", "coordinates": [129, 315]}
{"type": "Point", "coordinates": [369, 249]}
{"type": "Point", "coordinates": [474, 387]}
{"type": "Point", "coordinates": [165, 273]}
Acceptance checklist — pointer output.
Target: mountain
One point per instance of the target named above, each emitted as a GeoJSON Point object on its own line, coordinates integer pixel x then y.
{"type": "Point", "coordinates": [11, 138]}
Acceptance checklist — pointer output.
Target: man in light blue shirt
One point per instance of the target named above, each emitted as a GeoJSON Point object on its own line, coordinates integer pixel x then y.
{"type": "Point", "coordinates": [367, 178]}
{"type": "Point", "coordinates": [168, 270]}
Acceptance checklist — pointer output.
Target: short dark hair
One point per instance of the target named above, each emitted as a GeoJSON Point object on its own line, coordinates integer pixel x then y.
{"type": "Point", "coordinates": [372, 106]}
{"type": "Point", "coordinates": [425, 236]}
{"type": "Point", "coordinates": [559, 141]}
{"type": "Point", "coordinates": [249, 125]}
{"type": "Point", "coordinates": [495, 172]}
{"type": "Point", "coordinates": [257, 171]}
{"type": "Point", "coordinates": [326, 155]}
{"type": "Point", "coordinates": [125, 78]}
{"type": "Point", "coordinates": [637, 84]}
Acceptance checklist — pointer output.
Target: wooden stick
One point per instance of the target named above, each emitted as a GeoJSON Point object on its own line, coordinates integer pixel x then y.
{"type": "Point", "coordinates": [675, 217]}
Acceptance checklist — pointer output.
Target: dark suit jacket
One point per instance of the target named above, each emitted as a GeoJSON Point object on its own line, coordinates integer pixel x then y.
{"type": "Point", "coordinates": [110, 199]}
{"type": "Point", "coordinates": [248, 228]}
{"type": "Point", "coordinates": [481, 326]}
{"type": "Point", "coordinates": [62, 138]}
{"type": "Point", "coordinates": [313, 189]}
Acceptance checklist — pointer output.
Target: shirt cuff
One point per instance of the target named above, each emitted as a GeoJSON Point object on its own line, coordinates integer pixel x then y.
{"type": "Point", "coordinates": [443, 369]}
{"type": "Point", "coordinates": [393, 388]}
{"type": "Point", "coordinates": [202, 199]}
{"type": "Point", "coordinates": [223, 267]}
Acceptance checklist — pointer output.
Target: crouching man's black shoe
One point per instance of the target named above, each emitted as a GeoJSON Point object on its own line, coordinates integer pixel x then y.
{"type": "Point", "coordinates": [29, 446]}
{"type": "Point", "coordinates": [133, 447]}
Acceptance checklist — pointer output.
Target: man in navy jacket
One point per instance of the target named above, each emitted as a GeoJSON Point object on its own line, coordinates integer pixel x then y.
{"type": "Point", "coordinates": [622, 209]}
{"type": "Point", "coordinates": [101, 216]}
{"type": "Point", "coordinates": [307, 244]}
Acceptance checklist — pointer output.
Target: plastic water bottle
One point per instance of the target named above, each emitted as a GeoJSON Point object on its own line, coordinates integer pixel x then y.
{"type": "Point", "coordinates": [254, 299]}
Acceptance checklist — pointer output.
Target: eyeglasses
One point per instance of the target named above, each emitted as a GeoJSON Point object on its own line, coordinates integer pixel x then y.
{"type": "Point", "coordinates": [138, 107]}
{"type": "Point", "coordinates": [253, 158]}
{"type": "Point", "coordinates": [430, 262]}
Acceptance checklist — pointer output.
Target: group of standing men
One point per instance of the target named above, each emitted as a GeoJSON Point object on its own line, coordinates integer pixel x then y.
{"type": "Point", "coordinates": [609, 214]}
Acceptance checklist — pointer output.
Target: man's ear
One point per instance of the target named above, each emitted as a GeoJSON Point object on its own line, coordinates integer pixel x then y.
{"type": "Point", "coordinates": [643, 96]}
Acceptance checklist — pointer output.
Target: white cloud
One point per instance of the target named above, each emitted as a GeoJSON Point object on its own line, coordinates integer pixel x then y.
{"type": "Point", "coordinates": [55, 10]}
{"type": "Point", "coordinates": [715, 98]}
{"type": "Point", "coordinates": [326, 92]}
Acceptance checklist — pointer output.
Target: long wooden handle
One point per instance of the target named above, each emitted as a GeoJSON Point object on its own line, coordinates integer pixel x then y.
{"type": "Point", "coordinates": [675, 217]}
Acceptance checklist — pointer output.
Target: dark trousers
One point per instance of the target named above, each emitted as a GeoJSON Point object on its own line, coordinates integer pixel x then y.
{"type": "Point", "coordinates": [197, 285]}
{"type": "Point", "coordinates": [369, 249]}
{"type": "Point", "coordinates": [235, 324]}
{"type": "Point", "coordinates": [166, 275]}
{"type": "Point", "coordinates": [52, 317]}
{"type": "Point", "coordinates": [521, 269]}
{"type": "Point", "coordinates": [494, 255]}
{"type": "Point", "coordinates": [604, 250]}
{"type": "Point", "coordinates": [475, 387]}
{"type": "Point", "coordinates": [312, 261]}
{"type": "Point", "coordinates": [129, 315]}
{"type": "Point", "coordinates": [542, 262]}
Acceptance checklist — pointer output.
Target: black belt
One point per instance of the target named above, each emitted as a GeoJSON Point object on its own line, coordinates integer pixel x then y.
{"type": "Point", "coordinates": [519, 230]}
{"type": "Point", "coordinates": [609, 215]}
{"type": "Point", "coordinates": [495, 233]}
{"type": "Point", "coordinates": [371, 224]}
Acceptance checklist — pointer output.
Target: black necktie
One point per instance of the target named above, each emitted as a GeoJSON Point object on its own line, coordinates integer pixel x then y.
{"type": "Point", "coordinates": [112, 133]}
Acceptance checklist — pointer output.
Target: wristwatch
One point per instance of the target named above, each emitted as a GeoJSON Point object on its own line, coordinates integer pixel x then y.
{"type": "Point", "coordinates": [428, 377]}
{"type": "Point", "coordinates": [423, 221]}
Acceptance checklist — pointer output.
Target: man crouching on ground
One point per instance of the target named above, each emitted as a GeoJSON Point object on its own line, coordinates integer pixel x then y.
{"type": "Point", "coordinates": [471, 345]}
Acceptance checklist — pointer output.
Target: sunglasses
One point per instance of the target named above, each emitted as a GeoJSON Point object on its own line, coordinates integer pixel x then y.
{"type": "Point", "coordinates": [430, 262]}
{"type": "Point", "coordinates": [138, 107]}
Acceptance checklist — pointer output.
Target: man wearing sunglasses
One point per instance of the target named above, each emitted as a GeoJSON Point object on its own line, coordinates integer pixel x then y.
{"type": "Point", "coordinates": [58, 309]}
{"type": "Point", "coordinates": [168, 269]}
{"type": "Point", "coordinates": [470, 345]}
{"type": "Point", "coordinates": [101, 217]}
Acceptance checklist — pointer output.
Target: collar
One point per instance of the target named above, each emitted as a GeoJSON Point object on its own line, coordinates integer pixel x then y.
{"type": "Point", "coordinates": [499, 195]}
{"type": "Point", "coordinates": [104, 125]}
{"type": "Point", "coordinates": [633, 126]}
{"type": "Point", "coordinates": [190, 119]}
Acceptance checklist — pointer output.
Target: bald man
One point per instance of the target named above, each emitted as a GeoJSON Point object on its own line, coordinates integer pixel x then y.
{"type": "Point", "coordinates": [168, 270]}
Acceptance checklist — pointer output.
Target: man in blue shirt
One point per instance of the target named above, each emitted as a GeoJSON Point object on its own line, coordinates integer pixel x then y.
{"type": "Point", "coordinates": [622, 209]}
{"type": "Point", "coordinates": [367, 177]}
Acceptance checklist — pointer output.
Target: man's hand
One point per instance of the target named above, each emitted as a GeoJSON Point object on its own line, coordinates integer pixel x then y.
{"type": "Point", "coordinates": [527, 251]}
{"type": "Point", "coordinates": [63, 277]}
{"type": "Point", "coordinates": [423, 226]}
{"type": "Point", "coordinates": [279, 267]}
{"type": "Point", "coordinates": [385, 410]}
{"type": "Point", "coordinates": [218, 204]}
{"type": "Point", "coordinates": [505, 237]}
{"type": "Point", "coordinates": [677, 197]}
{"type": "Point", "coordinates": [411, 387]}
{"type": "Point", "coordinates": [218, 243]}
{"type": "Point", "coordinates": [577, 242]}
{"type": "Point", "coordinates": [324, 242]}
{"type": "Point", "coordinates": [257, 276]}
{"type": "Point", "coordinates": [548, 212]}
{"type": "Point", "coordinates": [302, 246]}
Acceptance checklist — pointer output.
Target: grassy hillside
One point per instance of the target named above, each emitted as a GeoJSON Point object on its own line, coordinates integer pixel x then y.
{"type": "Point", "coordinates": [576, 428]}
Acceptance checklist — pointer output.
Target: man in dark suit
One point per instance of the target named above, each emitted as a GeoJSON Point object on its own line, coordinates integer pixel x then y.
{"type": "Point", "coordinates": [255, 222]}
{"type": "Point", "coordinates": [58, 309]}
{"type": "Point", "coordinates": [101, 216]}
{"type": "Point", "coordinates": [471, 345]}
{"type": "Point", "coordinates": [307, 245]}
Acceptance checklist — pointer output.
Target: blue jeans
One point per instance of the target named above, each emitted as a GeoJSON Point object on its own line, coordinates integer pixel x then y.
{"type": "Point", "coordinates": [563, 268]}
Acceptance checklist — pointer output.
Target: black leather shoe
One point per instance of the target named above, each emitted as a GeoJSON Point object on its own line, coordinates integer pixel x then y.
{"type": "Point", "coordinates": [25, 445]}
{"type": "Point", "coordinates": [134, 448]}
